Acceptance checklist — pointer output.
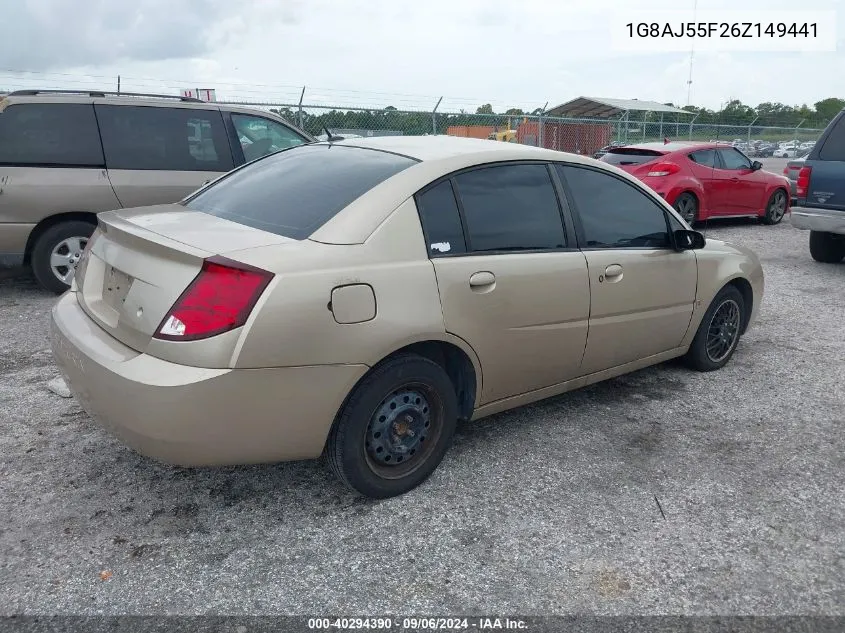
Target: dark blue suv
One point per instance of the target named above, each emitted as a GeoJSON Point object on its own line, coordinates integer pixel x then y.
{"type": "Point", "coordinates": [820, 194]}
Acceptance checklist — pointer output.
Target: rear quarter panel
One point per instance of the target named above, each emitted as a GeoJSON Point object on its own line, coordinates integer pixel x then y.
{"type": "Point", "coordinates": [294, 325]}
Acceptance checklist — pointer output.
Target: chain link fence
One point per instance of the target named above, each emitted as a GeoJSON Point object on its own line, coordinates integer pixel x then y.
{"type": "Point", "coordinates": [580, 136]}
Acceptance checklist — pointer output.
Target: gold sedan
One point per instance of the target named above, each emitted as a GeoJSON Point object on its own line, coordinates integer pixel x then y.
{"type": "Point", "coordinates": [360, 298]}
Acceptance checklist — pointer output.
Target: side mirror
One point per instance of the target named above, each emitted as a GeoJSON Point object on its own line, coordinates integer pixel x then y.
{"type": "Point", "coordinates": [756, 165]}
{"type": "Point", "coordinates": [689, 240]}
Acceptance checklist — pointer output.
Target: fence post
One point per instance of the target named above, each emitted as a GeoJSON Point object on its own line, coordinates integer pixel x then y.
{"type": "Point", "coordinates": [749, 129]}
{"type": "Point", "coordinates": [434, 117]}
{"type": "Point", "coordinates": [691, 123]}
{"type": "Point", "coordinates": [540, 126]}
{"type": "Point", "coordinates": [645, 122]}
{"type": "Point", "coordinates": [301, 97]}
{"type": "Point", "coordinates": [661, 126]}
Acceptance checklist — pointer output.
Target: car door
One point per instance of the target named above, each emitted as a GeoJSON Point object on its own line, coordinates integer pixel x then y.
{"type": "Point", "coordinates": [160, 154]}
{"type": "Point", "coordinates": [642, 290]}
{"type": "Point", "coordinates": [741, 188]}
{"type": "Point", "coordinates": [256, 136]}
{"type": "Point", "coordinates": [511, 282]}
{"type": "Point", "coordinates": [703, 164]}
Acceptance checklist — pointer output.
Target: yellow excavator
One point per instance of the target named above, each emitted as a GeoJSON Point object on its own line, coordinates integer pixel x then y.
{"type": "Point", "coordinates": [507, 135]}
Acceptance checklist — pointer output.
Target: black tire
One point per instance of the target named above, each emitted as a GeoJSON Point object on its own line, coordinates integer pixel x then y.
{"type": "Point", "coordinates": [687, 206]}
{"type": "Point", "coordinates": [775, 208]}
{"type": "Point", "coordinates": [827, 248]}
{"type": "Point", "coordinates": [47, 242]}
{"type": "Point", "coordinates": [356, 447]}
{"type": "Point", "coordinates": [700, 355]}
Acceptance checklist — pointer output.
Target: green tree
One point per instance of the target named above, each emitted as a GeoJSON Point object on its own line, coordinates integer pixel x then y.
{"type": "Point", "coordinates": [485, 109]}
{"type": "Point", "coordinates": [828, 108]}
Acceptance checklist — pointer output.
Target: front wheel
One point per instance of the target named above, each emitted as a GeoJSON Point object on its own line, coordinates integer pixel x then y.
{"type": "Point", "coordinates": [56, 253]}
{"type": "Point", "coordinates": [395, 428]}
{"type": "Point", "coordinates": [827, 248]}
{"type": "Point", "coordinates": [776, 208]}
{"type": "Point", "coordinates": [719, 332]}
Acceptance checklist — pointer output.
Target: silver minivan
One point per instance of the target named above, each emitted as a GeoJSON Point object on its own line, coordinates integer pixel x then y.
{"type": "Point", "coordinates": [66, 156]}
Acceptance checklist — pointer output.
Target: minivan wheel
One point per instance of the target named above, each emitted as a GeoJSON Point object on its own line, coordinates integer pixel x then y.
{"type": "Point", "coordinates": [56, 252]}
{"type": "Point", "coordinates": [827, 248]}
{"type": "Point", "coordinates": [395, 428]}
{"type": "Point", "coordinates": [719, 332]}
{"type": "Point", "coordinates": [776, 208]}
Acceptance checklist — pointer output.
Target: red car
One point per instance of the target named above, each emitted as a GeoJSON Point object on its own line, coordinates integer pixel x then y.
{"type": "Point", "coordinates": [706, 180]}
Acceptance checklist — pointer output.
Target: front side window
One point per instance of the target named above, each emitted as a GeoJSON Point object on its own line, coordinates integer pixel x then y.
{"type": "Point", "coordinates": [294, 192]}
{"type": "Point", "coordinates": [733, 159]}
{"type": "Point", "coordinates": [441, 220]}
{"type": "Point", "coordinates": [50, 135]}
{"type": "Point", "coordinates": [510, 207]}
{"type": "Point", "coordinates": [614, 213]}
{"type": "Point", "coordinates": [161, 138]}
{"type": "Point", "coordinates": [260, 136]}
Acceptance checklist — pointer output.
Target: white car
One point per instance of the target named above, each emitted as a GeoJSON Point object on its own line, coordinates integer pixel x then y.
{"type": "Point", "coordinates": [786, 151]}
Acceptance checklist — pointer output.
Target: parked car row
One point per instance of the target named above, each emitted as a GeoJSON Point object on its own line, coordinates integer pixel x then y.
{"type": "Point", "coordinates": [65, 156]}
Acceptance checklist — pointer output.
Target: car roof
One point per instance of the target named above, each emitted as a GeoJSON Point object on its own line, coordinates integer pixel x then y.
{"type": "Point", "coordinates": [672, 146]}
{"type": "Point", "coordinates": [436, 156]}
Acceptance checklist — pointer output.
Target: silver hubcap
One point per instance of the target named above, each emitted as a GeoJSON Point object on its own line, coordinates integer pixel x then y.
{"type": "Point", "coordinates": [723, 332]}
{"type": "Point", "coordinates": [777, 208]}
{"type": "Point", "coordinates": [686, 207]}
{"type": "Point", "coordinates": [65, 257]}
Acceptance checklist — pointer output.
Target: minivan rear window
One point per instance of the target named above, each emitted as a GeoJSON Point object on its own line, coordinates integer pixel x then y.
{"type": "Point", "coordinates": [294, 192]}
{"type": "Point", "coordinates": [630, 156]}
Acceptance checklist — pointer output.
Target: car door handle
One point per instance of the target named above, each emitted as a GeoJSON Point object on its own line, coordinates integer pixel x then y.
{"type": "Point", "coordinates": [612, 273]}
{"type": "Point", "coordinates": [482, 280]}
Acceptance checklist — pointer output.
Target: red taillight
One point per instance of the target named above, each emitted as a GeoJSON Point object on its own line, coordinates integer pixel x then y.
{"type": "Point", "coordinates": [803, 182]}
{"type": "Point", "coordinates": [662, 169]}
{"type": "Point", "coordinates": [219, 299]}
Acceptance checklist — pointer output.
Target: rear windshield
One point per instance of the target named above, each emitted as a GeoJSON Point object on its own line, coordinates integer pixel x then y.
{"type": "Point", "coordinates": [834, 144]}
{"type": "Point", "coordinates": [294, 192]}
{"type": "Point", "coordinates": [629, 156]}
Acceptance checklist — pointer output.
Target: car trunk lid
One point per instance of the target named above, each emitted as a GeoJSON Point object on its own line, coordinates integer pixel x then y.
{"type": "Point", "coordinates": [141, 261]}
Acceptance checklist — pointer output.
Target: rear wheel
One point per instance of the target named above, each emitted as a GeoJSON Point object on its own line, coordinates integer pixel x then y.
{"type": "Point", "coordinates": [687, 205]}
{"type": "Point", "coordinates": [56, 253]}
{"type": "Point", "coordinates": [828, 248]}
{"type": "Point", "coordinates": [395, 428]}
{"type": "Point", "coordinates": [776, 208]}
{"type": "Point", "coordinates": [719, 331]}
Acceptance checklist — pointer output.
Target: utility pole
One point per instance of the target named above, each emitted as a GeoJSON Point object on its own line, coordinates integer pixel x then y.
{"type": "Point", "coordinates": [691, 53]}
{"type": "Point", "coordinates": [118, 84]}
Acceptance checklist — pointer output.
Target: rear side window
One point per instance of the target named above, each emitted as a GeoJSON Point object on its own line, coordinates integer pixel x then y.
{"type": "Point", "coordinates": [834, 144]}
{"type": "Point", "coordinates": [169, 139]}
{"type": "Point", "coordinates": [50, 134]}
{"type": "Point", "coordinates": [294, 192]}
{"type": "Point", "coordinates": [704, 157]}
{"type": "Point", "coordinates": [441, 220]}
{"type": "Point", "coordinates": [630, 156]}
{"type": "Point", "coordinates": [510, 207]}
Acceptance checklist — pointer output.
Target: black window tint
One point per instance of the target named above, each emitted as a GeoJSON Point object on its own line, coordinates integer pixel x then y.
{"type": "Point", "coordinates": [705, 157]}
{"type": "Point", "coordinates": [834, 144]}
{"type": "Point", "coordinates": [732, 159]}
{"type": "Point", "coordinates": [295, 191]}
{"type": "Point", "coordinates": [630, 156]}
{"type": "Point", "coordinates": [260, 136]}
{"type": "Point", "coordinates": [50, 134]}
{"type": "Point", "coordinates": [171, 139]}
{"type": "Point", "coordinates": [511, 207]}
{"type": "Point", "coordinates": [614, 213]}
{"type": "Point", "coordinates": [675, 224]}
{"type": "Point", "coordinates": [441, 220]}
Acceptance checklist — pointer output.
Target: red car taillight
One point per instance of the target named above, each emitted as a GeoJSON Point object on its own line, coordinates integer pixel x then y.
{"type": "Point", "coordinates": [219, 299]}
{"type": "Point", "coordinates": [663, 169]}
{"type": "Point", "coordinates": [803, 182]}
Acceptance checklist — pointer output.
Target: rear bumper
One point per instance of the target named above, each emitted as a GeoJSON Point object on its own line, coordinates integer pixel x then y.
{"type": "Point", "coordinates": [194, 416]}
{"type": "Point", "coordinates": [822, 220]}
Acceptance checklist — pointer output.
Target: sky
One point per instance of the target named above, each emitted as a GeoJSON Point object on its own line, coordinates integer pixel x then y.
{"type": "Point", "coordinates": [374, 53]}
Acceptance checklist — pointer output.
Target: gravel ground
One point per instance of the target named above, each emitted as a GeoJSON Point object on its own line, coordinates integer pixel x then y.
{"type": "Point", "coordinates": [552, 508]}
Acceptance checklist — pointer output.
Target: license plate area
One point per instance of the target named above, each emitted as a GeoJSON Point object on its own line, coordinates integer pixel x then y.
{"type": "Point", "coordinates": [116, 285]}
